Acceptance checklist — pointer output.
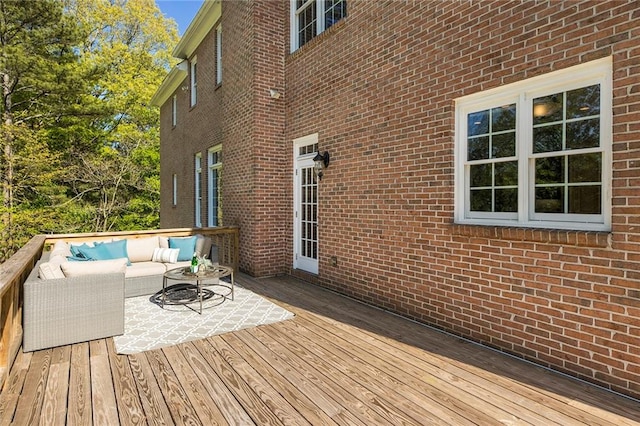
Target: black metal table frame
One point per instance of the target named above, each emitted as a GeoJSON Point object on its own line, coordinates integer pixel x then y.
{"type": "Point", "coordinates": [184, 274]}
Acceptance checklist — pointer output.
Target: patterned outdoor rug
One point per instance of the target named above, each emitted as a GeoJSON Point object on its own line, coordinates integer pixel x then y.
{"type": "Point", "coordinates": [148, 326]}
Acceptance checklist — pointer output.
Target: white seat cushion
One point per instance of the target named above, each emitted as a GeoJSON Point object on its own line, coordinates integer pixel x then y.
{"type": "Point", "coordinates": [94, 267]}
{"type": "Point", "coordinates": [143, 269]}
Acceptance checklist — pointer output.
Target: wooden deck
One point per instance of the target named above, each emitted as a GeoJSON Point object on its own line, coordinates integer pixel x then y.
{"type": "Point", "coordinates": [337, 362]}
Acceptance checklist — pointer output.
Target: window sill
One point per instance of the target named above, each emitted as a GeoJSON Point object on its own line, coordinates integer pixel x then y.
{"type": "Point", "coordinates": [598, 239]}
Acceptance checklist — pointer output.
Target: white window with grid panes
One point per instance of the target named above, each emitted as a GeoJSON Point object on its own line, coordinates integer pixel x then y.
{"type": "Point", "coordinates": [214, 187]}
{"type": "Point", "coordinates": [311, 17]}
{"type": "Point", "coordinates": [537, 153]}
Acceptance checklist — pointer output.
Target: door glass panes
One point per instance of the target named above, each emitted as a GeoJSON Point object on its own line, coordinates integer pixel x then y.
{"type": "Point", "coordinates": [308, 149]}
{"type": "Point", "coordinates": [309, 214]}
{"type": "Point", "coordinates": [491, 151]}
{"type": "Point", "coordinates": [567, 124]}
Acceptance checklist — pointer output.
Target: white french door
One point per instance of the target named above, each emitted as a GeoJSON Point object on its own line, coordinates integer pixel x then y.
{"type": "Point", "coordinates": [305, 209]}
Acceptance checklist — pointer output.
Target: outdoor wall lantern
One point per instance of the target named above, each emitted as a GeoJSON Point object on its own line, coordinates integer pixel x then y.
{"type": "Point", "coordinates": [321, 162]}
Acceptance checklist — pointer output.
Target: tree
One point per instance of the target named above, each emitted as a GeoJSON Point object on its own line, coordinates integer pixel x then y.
{"type": "Point", "coordinates": [79, 141]}
{"type": "Point", "coordinates": [37, 77]}
{"type": "Point", "coordinates": [129, 41]}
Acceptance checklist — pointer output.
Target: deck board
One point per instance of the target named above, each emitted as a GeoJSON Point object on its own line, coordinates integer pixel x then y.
{"type": "Point", "coordinates": [13, 387]}
{"type": "Point", "coordinates": [54, 406]}
{"type": "Point", "coordinates": [338, 362]}
{"type": "Point", "coordinates": [129, 405]}
{"type": "Point", "coordinates": [178, 403]}
{"type": "Point", "coordinates": [79, 410]}
{"type": "Point", "coordinates": [202, 401]}
{"type": "Point", "coordinates": [103, 398]}
{"type": "Point", "coordinates": [151, 397]}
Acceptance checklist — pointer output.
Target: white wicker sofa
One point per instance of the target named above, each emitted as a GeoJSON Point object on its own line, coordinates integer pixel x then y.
{"type": "Point", "coordinates": [68, 301]}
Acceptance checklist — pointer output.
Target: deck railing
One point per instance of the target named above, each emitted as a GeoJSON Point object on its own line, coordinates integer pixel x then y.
{"type": "Point", "coordinates": [14, 272]}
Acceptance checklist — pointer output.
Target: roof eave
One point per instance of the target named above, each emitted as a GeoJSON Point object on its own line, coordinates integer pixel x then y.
{"type": "Point", "coordinates": [170, 83]}
{"type": "Point", "coordinates": [199, 27]}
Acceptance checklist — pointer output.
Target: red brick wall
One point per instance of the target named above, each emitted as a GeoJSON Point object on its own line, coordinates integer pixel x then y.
{"type": "Point", "coordinates": [242, 116]}
{"type": "Point", "coordinates": [379, 88]}
{"type": "Point", "coordinates": [180, 144]}
{"type": "Point", "coordinates": [254, 159]}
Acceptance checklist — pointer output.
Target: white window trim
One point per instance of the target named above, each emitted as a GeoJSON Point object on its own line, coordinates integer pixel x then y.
{"type": "Point", "coordinates": [174, 110]}
{"type": "Point", "coordinates": [175, 189]}
{"type": "Point", "coordinates": [198, 191]}
{"type": "Point", "coordinates": [599, 71]}
{"type": "Point", "coordinates": [293, 20]}
{"type": "Point", "coordinates": [300, 162]}
{"type": "Point", "coordinates": [193, 76]}
{"type": "Point", "coordinates": [210, 194]}
{"type": "Point", "coordinates": [219, 54]}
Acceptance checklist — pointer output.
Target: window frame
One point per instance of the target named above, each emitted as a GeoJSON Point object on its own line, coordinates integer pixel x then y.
{"type": "Point", "coordinates": [219, 55]}
{"type": "Point", "coordinates": [174, 110]}
{"type": "Point", "coordinates": [175, 189]}
{"type": "Point", "coordinates": [211, 167]}
{"type": "Point", "coordinates": [193, 81]}
{"type": "Point", "coordinates": [197, 186]}
{"type": "Point", "coordinates": [523, 93]}
{"type": "Point", "coordinates": [320, 26]}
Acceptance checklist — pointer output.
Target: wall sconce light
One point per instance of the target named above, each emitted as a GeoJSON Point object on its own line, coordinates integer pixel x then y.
{"type": "Point", "coordinates": [321, 162]}
{"type": "Point", "coordinates": [274, 93]}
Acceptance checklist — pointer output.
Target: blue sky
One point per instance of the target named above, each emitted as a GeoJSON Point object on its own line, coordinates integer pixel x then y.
{"type": "Point", "coordinates": [182, 11]}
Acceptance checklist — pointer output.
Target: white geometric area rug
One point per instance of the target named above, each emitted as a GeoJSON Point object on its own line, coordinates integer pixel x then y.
{"type": "Point", "coordinates": [149, 326]}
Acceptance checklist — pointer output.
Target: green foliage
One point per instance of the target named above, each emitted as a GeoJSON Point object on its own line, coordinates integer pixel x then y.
{"type": "Point", "coordinates": [80, 143]}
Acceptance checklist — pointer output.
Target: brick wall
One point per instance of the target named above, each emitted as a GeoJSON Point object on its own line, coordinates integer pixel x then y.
{"type": "Point", "coordinates": [379, 88]}
{"type": "Point", "coordinates": [254, 158]}
{"type": "Point", "coordinates": [180, 144]}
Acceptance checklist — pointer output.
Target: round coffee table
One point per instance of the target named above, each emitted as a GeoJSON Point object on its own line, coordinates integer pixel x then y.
{"type": "Point", "coordinates": [199, 280]}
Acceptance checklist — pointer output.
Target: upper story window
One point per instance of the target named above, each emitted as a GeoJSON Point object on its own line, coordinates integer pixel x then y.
{"type": "Point", "coordinates": [537, 153]}
{"type": "Point", "coordinates": [219, 54]}
{"type": "Point", "coordinates": [198, 190]}
{"type": "Point", "coordinates": [311, 17]}
{"type": "Point", "coordinates": [174, 110]}
{"type": "Point", "coordinates": [194, 80]}
{"type": "Point", "coordinates": [174, 182]}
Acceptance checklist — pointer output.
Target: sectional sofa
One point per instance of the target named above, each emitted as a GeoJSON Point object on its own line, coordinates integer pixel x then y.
{"type": "Point", "coordinates": [76, 292]}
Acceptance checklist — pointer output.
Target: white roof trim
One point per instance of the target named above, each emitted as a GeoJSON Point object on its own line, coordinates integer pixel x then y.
{"type": "Point", "coordinates": [170, 83]}
{"type": "Point", "coordinates": [199, 27]}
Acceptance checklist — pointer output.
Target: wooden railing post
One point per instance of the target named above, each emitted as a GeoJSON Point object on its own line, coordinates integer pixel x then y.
{"type": "Point", "coordinates": [13, 273]}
